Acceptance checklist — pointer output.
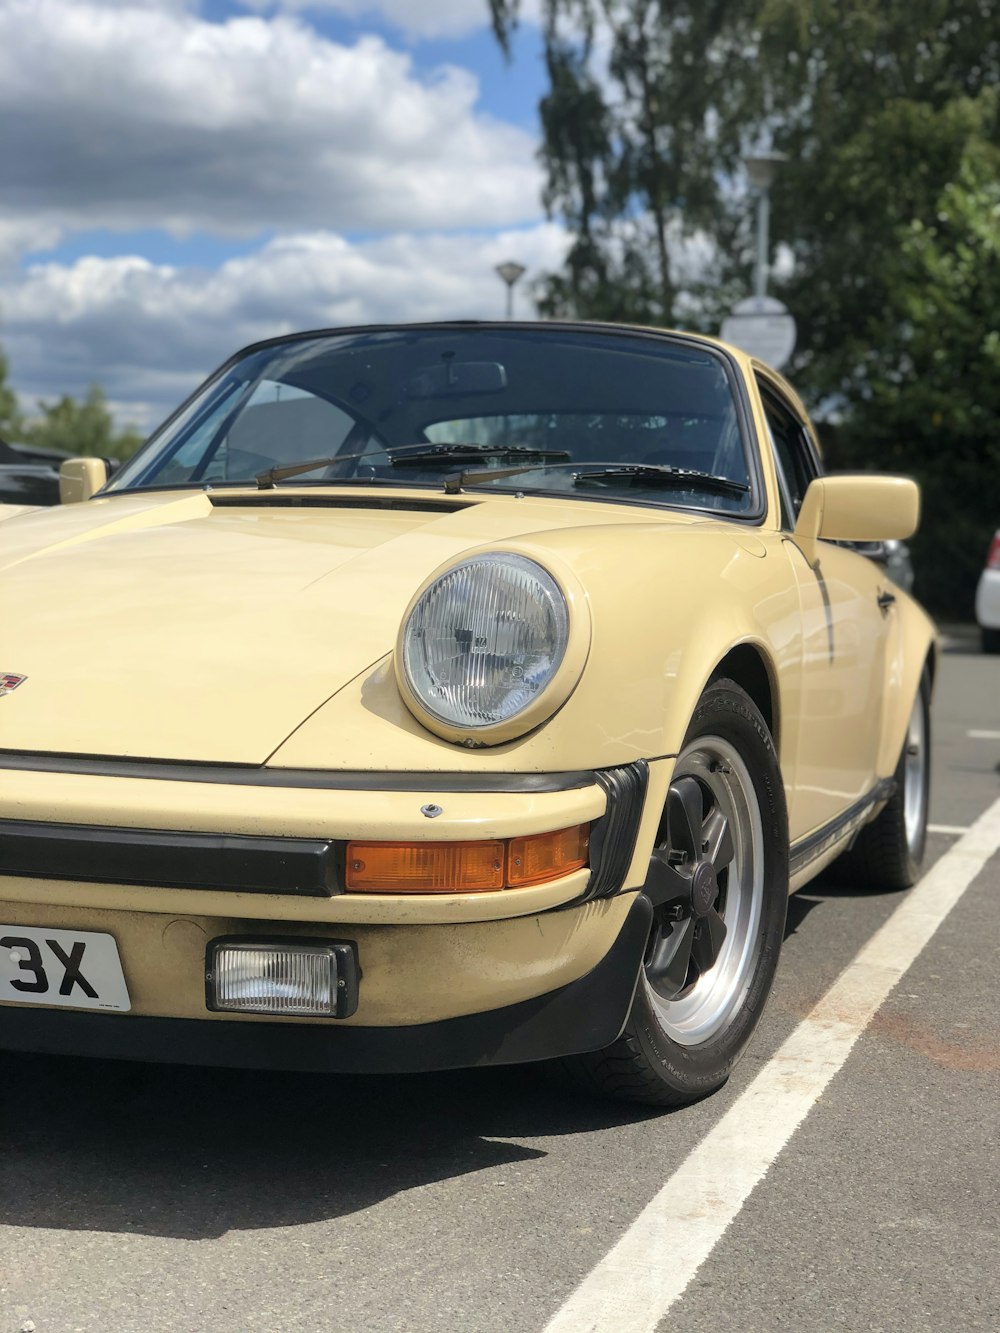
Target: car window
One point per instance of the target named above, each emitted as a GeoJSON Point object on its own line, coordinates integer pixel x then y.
{"type": "Point", "coordinates": [243, 433]}
{"type": "Point", "coordinates": [705, 444]}
{"type": "Point", "coordinates": [793, 458]}
{"type": "Point", "coordinates": [280, 425]}
{"type": "Point", "coordinates": [607, 413]}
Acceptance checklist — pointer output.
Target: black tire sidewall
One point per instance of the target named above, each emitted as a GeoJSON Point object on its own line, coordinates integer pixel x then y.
{"type": "Point", "coordinates": [725, 710]}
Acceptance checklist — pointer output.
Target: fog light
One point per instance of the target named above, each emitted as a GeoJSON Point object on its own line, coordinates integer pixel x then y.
{"type": "Point", "coordinates": [291, 980]}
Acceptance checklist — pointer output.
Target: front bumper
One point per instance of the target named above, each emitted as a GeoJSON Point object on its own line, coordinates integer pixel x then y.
{"type": "Point", "coordinates": [446, 979]}
{"type": "Point", "coordinates": [586, 1014]}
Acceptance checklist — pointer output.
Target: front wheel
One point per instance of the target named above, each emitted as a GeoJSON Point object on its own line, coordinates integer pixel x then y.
{"type": "Point", "coordinates": [719, 883]}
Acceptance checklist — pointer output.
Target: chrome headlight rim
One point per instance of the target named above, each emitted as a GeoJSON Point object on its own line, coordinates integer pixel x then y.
{"type": "Point", "coordinates": [557, 688]}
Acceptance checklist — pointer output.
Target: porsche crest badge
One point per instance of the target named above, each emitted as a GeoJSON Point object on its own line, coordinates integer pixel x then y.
{"type": "Point", "coordinates": [9, 681]}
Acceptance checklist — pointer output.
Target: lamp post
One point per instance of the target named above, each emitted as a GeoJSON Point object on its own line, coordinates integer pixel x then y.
{"type": "Point", "coordinates": [509, 273]}
{"type": "Point", "coordinates": [762, 170]}
{"type": "Point", "coordinates": [759, 324]}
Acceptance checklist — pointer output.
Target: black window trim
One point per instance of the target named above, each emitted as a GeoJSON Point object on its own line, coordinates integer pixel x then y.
{"type": "Point", "coordinates": [772, 395]}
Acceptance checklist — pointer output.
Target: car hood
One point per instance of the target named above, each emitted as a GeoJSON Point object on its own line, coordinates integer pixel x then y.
{"type": "Point", "coordinates": [184, 626]}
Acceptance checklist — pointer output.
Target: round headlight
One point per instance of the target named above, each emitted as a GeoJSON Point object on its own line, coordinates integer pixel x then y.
{"type": "Point", "coordinates": [482, 643]}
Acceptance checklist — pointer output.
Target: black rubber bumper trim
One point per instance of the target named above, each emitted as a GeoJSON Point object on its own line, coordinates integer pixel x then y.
{"type": "Point", "coordinates": [613, 839]}
{"type": "Point", "coordinates": [251, 775]}
{"type": "Point", "coordinates": [584, 1016]}
{"type": "Point", "coordinates": [239, 863]}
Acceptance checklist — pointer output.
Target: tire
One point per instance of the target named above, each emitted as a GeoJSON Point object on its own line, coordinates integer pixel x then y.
{"type": "Point", "coordinates": [991, 640]}
{"type": "Point", "coordinates": [888, 852]}
{"type": "Point", "coordinates": [702, 991]}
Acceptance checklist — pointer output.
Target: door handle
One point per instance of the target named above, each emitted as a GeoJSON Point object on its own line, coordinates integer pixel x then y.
{"type": "Point", "coordinates": [885, 600]}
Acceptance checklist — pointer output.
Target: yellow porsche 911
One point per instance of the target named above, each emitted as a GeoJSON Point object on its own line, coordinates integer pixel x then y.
{"type": "Point", "coordinates": [451, 694]}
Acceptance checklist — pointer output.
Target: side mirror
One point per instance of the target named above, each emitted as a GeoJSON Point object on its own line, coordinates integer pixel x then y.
{"type": "Point", "coordinates": [865, 507]}
{"type": "Point", "coordinates": [80, 478]}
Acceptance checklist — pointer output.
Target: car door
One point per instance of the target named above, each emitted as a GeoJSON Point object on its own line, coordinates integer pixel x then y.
{"type": "Point", "coordinates": [843, 641]}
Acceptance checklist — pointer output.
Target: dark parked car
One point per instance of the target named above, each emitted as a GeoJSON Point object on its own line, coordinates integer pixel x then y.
{"type": "Point", "coordinates": [29, 476]}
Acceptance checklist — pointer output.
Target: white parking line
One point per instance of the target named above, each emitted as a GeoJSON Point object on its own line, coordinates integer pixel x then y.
{"type": "Point", "coordinates": [636, 1283]}
{"type": "Point", "coordinates": [983, 735]}
{"type": "Point", "coordinates": [947, 828]}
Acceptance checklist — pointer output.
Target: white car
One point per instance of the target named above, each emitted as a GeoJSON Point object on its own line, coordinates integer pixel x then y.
{"type": "Point", "coordinates": [988, 598]}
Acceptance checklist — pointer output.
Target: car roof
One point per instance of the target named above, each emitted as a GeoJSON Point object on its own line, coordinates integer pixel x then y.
{"type": "Point", "coordinates": [496, 325]}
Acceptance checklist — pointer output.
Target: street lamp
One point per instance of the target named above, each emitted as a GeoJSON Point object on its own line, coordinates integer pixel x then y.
{"type": "Point", "coordinates": [760, 324]}
{"type": "Point", "coordinates": [509, 273]}
{"type": "Point", "coordinates": [762, 170]}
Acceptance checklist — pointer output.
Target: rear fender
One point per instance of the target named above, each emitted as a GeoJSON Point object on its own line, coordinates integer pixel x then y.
{"type": "Point", "coordinates": [911, 645]}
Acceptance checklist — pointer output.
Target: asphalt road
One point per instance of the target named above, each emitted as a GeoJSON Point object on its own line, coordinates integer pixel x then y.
{"type": "Point", "coordinates": [148, 1198]}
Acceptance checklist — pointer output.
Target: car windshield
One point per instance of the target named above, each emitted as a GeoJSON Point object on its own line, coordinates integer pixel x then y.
{"type": "Point", "coordinates": [378, 406]}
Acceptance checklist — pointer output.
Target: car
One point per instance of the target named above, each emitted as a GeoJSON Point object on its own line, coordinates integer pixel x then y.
{"type": "Point", "coordinates": [429, 696]}
{"type": "Point", "coordinates": [29, 476]}
{"type": "Point", "coordinates": [988, 598]}
{"type": "Point", "coordinates": [896, 560]}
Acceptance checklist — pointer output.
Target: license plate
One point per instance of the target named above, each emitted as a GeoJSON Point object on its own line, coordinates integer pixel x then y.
{"type": "Point", "coordinates": [78, 969]}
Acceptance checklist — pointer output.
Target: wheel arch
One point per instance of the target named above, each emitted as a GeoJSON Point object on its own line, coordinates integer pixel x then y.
{"type": "Point", "coordinates": [749, 667]}
{"type": "Point", "coordinates": [914, 649]}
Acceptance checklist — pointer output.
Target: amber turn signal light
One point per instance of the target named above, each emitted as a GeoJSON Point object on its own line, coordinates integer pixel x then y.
{"type": "Point", "coordinates": [546, 856]}
{"type": "Point", "coordinates": [465, 867]}
{"type": "Point", "coordinates": [425, 867]}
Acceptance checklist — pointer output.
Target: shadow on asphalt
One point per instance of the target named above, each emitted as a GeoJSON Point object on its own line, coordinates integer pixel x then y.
{"type": "Point", "coordinates": [194, 1153]}
{"type": "Point", "coordinates": [799, 907]}
{"type": "Point", "coordinates": [829, 885]}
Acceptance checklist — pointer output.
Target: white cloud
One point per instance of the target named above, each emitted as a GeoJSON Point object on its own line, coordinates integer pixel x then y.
{"type": "Point", "coordinates": [148, 333]}
{"type": "Point", "coordinates": [423, 18]}
{"type": "Point", "coordinates": [23, 236]}
{"type": "Point", "coordinates": [134, 116]}
{"type": "Point", "coordinates": [415, 18]}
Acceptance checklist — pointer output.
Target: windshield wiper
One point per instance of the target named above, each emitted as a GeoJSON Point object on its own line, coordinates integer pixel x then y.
{"type": "Point", "coordinates": [662, 474]}
{"type": "Point", "coordinates": [416, 455]}
{"type": "Point", "coordinates": [462, 453]}
{"type": "Point", "coordinates": [527, 459]}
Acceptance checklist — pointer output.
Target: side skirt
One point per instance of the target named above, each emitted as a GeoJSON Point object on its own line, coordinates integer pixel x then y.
{"type": "Point", "coordinates": [808, 856]}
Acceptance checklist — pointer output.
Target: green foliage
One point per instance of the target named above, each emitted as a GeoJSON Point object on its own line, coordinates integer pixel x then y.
{"type": "Point", "coordinates": [640, 131]}
{"type": "Point", "coordinates": [10, 415]}
{"type": "Point", "coordinates": [79, 427]}
{"type": "Point", "coordinates": [929, 399]}
{"type": "Point", "coordinates": [72, 425]}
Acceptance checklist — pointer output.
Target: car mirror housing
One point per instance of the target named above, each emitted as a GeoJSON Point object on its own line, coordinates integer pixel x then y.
{"type": "Point", "coordinates": [864, 507]}
{"type": "Point", "coordinates": [80, 478]}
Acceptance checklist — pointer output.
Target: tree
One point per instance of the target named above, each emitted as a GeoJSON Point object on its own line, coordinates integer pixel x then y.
{"type": "Point", "coordinates": [73, 426]}
{"type": "Point", "coordinates": [929, 399]}
{"type": "Point", "coordinates": [79, 427]}
{"type": "Point", "coordinates": [640, 142]}
{"type": "Point", "coordinates": [10, 415]}
{"type": "Point", "coordinates": [875, 102]}
{"type": "Point", "coordinates": [651, 104]}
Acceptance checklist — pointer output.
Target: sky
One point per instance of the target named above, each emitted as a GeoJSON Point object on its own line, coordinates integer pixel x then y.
{"type": "Point", "coordinates": [179, 178]}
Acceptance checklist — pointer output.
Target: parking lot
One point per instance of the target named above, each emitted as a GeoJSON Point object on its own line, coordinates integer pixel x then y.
{"type": "Point", "coordinates": [152, 1198]}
